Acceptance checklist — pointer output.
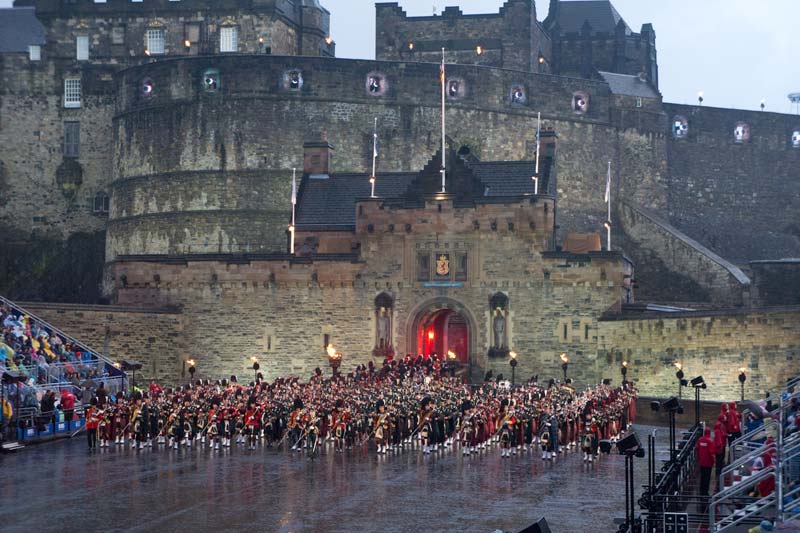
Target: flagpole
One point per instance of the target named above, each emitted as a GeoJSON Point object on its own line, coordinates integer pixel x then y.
{"type": "Point", "coordinates": [294, 203]}
{"type": "Point", "coordinates": [608, 201]}
{"type": "Point", "coordinates": [538, 145]}
{"type": "Point", "coordinates": [374, 157]}
{"type": "Point", "coordinates": [444, 142]}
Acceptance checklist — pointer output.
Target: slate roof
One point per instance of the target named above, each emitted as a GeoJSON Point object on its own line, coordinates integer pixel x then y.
{"type": "Point", "coordinates": [330, 202]}
{"type": "Point", "coordinates": [601, 15]}
{"type": "Point", "coordinates": [628, 85]}
{"type": "Point", "coordinates": [19, 28]}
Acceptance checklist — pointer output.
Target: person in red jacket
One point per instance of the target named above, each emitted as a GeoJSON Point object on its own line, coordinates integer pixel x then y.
{"type": "Point", "coordinates": [92, 422]}
{"type": "Point", "coordinates": [67, 405]}
{"type": "Point", "coordinates": [720, 441]}
{"type": "Point", "coordinates": [733, 423]}
{"type": "Point", "coordinates": [706, 455]}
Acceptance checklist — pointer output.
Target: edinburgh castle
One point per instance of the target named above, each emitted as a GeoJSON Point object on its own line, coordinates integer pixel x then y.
{"type": "Point", "coordinates": [147, 151]}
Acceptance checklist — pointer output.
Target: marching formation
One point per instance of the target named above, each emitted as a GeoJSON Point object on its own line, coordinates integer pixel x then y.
{"type": "Point", "coordinates": [406, 404]}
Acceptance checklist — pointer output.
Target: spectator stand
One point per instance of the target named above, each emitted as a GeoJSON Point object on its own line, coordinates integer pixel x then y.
{"type": "Point", "coordinates": [36, 360]}
{"type": "Point", "coordinates": [762, 480]}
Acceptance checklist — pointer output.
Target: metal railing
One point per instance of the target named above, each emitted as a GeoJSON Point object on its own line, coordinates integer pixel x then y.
{"type": "Point", "coordinates": [785, 471]}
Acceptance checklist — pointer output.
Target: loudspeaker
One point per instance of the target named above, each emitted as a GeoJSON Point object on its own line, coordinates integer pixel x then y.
{"type": "Point", "coordinates": [130, 365]}
{"type": "Point", "coordinates": [538, 527]}
{"type": "Point", "coordinates": [629, 443]}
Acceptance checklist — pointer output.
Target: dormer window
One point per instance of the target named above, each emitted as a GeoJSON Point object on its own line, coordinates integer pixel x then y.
{"type": "Point", "coordinates": [35, 52]}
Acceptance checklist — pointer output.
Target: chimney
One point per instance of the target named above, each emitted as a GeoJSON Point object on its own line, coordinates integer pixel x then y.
{"type": "Point", "coordinates": [317, 156]}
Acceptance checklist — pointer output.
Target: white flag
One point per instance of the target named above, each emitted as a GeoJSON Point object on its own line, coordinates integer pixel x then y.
{"type": "Point", "coordinates": [608, 183]}
{"type": "Point", "coordinates": [294, 189]}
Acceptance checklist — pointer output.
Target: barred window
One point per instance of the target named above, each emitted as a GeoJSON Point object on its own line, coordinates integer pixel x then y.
{"type": "Point", "coordinates": [155, 41]}
{"type": "Point", "coordinates": [229, 39]}
{"type": "Point", "coordinates": [82, 48]}
{"type": "Point", "coordinates": [72, 139]}
{"type": "Point", "coordinates": [72, 92]}
{"type": "Point", "coordinates": [100, 203]}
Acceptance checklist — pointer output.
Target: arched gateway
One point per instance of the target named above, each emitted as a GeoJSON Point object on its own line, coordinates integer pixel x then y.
{"type": "Point", "coordinates": [442, 324]}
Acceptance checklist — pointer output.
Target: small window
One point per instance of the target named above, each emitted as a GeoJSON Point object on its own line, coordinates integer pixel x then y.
{"type": "Point", "coordinates": [461, 267]}
{"type": "Point", "coordinates": [326, 340]}
{"type": "Point", "coordinates": [72, 92]}
{"type": "Point", "coordinates": [586, 332]}
{"type": "Point", "coordinates": [229, 39]}
{"type": "Point", "coordinates": [423, 267]}
{"type": "Point", "coordinates": [155, 41]}
{"type": "Point", "coordinates": [118, 34]}
{"type": "Point", "coordinates": [82, 48]}
{"type": "Point", "coordinates": [191, 33]}
{"type": "Point", "coordinates": [639, 101]}
{"type": "Point", "coordinates": [35, 52]}
{"type": "Point", "coordinates": [72, 139]}
{"type": "Point", "coordinates": [212, 82]}
{"type": "Point", "coordinates": [565, 332]}
{"type": "Point", "coordinates": [100, 203]}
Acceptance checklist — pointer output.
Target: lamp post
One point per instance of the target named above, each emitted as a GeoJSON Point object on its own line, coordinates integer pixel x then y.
{"type": "Point", "coordinates": [700, 97]}
{"type": "Point", "coordinates": [679, 374]}
{"type": "Point", "coordinates": [742, 379]}
{"type": "Point", "coordinates": [513, 362]}
{"type": "Point", "coordinates": [698, 383]}
{"type": "Point", "coordinates": [256, 366]}
{"type": "Point", "coordinates": [335, 359]}
{"type": "Point", "coordinates": [564, 365]}
{"type": "Point", "coordinates": [624, 370]}
{"type": "Point", "coordinates": [192, 369]}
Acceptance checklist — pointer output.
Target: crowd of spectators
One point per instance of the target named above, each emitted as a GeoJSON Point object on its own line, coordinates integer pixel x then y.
{"type": "Point", "coordinates": [51, 373]}
{"type": "Point", "coordinates": [713, 450]}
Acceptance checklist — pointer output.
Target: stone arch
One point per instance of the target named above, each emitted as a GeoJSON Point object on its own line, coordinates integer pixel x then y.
{"type": "Point", "coordinates": [424, 309]}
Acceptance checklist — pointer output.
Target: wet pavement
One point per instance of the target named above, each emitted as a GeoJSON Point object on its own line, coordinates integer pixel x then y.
{"type": "Point", "coordinates": [60, 486]}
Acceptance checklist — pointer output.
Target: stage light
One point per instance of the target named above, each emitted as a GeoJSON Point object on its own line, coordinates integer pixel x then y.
{"type": "Point", "coordinates": [479, 50]}
{"type": "Point", "coordinates": [328, 40]}
{"type": "Point", "coordinates": [411, 46]}
{"type": "Point", "coordinates": [187, 43]}
{"type": "Point", "coordinates": [698, 382]}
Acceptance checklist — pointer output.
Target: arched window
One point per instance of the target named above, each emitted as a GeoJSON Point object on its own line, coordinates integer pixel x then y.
{"type": "Point", "coordinates": [100, 206]}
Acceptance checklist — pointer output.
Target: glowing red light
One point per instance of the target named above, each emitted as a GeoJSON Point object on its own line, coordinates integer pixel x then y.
{"type": "Point", "coordinates": [430, 335]}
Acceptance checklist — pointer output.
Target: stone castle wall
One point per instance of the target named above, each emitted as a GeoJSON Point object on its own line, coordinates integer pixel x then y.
{"type": "Point", "coordinates": [175, 148]}
{"type": "Point", "coordinates": [153, 337]}
{"type": "Point", "coordinates": [739, 200]}
{"type": "Point", "coordinates": [714, 345]}
{"type": "Point", "coordinates": [724, 283]}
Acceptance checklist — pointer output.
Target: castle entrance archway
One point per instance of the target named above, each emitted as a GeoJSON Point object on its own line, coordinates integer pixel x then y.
{"type": "Point", "coordinates": [441, 325]}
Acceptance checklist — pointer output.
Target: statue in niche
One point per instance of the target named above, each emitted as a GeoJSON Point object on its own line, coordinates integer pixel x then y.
{"type": "Point", "coordinates": [383, 327]}
{"type": "Point", "coordinates": [498, 309]}
{"type": "Point", "coordinates": [499, 329]}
